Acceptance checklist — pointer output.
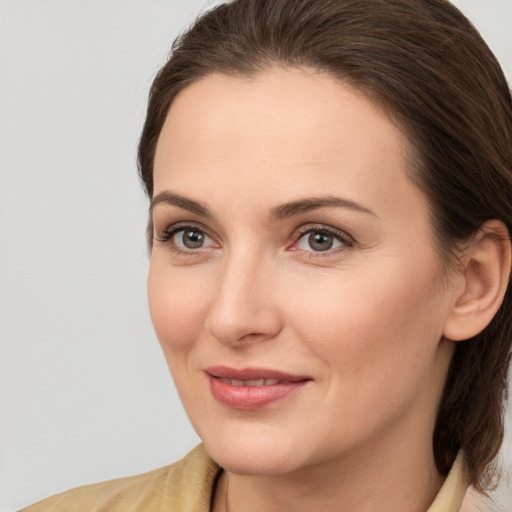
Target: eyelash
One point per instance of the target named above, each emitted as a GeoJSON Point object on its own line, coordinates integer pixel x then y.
{"type": "Point", "coordinates": [346, 240]}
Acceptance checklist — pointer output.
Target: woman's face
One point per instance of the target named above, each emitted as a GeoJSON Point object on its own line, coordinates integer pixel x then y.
{"type": "Point", "coordinates": [294, 284]}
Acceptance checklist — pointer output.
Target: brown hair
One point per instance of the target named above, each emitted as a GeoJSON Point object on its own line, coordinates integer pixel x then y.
{"type": "Point", "coordinates": [427, 66]}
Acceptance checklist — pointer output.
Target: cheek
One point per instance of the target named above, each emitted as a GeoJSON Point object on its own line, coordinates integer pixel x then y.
{"type": "Point", "coordinates": [368, 328]}
{"type": "Point", "coordinates": [177, 304]}
{"type": "Point", "coordinates": [377, 344]}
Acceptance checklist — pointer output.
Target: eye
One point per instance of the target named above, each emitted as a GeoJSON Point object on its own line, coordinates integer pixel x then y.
{"type": "Point", "coordinates": [190, 238]}
{"type": "Point", "coordinates": [186, 238]}
{"type": "Point", "coordinates": [322, 239]}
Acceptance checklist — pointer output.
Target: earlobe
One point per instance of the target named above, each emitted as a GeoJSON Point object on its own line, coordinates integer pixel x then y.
{"type": "Point", "coordinates": [486, 273]}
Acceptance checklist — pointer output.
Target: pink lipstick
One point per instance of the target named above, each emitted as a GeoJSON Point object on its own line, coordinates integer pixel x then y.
{"type": "Point", "coordinates": [252, 388]}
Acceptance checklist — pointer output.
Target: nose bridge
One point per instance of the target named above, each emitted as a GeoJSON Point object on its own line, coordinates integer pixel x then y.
{"type": "Point", "coordinates": [243, 306]}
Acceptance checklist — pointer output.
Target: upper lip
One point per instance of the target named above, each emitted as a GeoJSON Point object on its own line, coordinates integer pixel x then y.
{"type": "Point", "coordinates": [225, 372]}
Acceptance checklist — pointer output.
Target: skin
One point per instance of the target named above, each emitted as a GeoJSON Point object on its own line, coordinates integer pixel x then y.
{"type": "Point", "coordinates": [364, 319]}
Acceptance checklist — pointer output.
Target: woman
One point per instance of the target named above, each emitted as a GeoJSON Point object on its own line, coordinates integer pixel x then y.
{"type": "Point", "coordinates": [329, 186]}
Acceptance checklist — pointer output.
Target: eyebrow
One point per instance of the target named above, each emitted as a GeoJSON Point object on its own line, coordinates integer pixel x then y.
{"type": "Point", "coordinates": [300, 206]}
{"type": "Point", "coordinates": [183, 202]}
{"type": "Point", "coordinates": [276, 213]}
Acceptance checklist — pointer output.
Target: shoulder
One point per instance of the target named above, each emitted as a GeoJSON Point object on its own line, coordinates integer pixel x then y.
{"type": "Point", "coordinates": [184, 486]}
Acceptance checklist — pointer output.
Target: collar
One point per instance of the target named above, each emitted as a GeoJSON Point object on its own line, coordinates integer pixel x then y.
{"type": "Point", "coordinates": [453, 490]}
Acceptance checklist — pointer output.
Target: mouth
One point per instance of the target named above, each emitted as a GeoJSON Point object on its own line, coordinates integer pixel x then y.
{"type": "Point", "coordinates": [258, 382]}
{"type": "Point", "coordinates": [252, 388]}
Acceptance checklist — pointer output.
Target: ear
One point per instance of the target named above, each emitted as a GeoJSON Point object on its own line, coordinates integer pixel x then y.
{"type": "Point", "coordinates": [485, 277]}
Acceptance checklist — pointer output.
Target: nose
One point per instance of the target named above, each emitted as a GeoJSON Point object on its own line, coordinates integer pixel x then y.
{"type": "Point", "coordinates": [244, 310]}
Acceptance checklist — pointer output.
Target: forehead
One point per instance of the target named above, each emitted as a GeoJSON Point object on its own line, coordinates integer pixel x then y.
{"type": "Point", "coordinates": [283, 104]}
{"type": "Point", "coordinates": [292, 131]}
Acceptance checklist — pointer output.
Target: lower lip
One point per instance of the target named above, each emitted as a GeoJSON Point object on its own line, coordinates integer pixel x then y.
{"type": "Point", "coordinates": [250, 398]}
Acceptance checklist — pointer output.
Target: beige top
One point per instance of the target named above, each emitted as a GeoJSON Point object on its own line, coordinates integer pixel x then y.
{"type": "Point", "coordinates": [187, 486]}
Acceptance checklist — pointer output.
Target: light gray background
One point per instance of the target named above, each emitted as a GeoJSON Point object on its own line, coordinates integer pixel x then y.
{"type": "Point", "coordinates": [85, 394]}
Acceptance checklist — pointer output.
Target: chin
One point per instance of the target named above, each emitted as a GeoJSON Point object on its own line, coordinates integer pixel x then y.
{"type": "Point", "coordinates": [256, 456]}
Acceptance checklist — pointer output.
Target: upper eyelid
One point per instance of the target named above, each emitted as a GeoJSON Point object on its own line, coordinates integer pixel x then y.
{"type": "Point", "coordinates": [308, 228]}
{"type": "Point", "coordinates": [178, 226]}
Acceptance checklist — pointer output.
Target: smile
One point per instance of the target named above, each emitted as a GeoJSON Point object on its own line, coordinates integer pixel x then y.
{"type": "Point", "coordinates": [252, 388]}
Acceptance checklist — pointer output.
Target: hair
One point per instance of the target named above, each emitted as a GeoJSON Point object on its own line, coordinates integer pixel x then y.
{"type": "Point", "coordinates": [429, 69]}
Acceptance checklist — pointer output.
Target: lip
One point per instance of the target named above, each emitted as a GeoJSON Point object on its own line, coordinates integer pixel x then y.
{"type": "Point", "coordinates": [252, 397]}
